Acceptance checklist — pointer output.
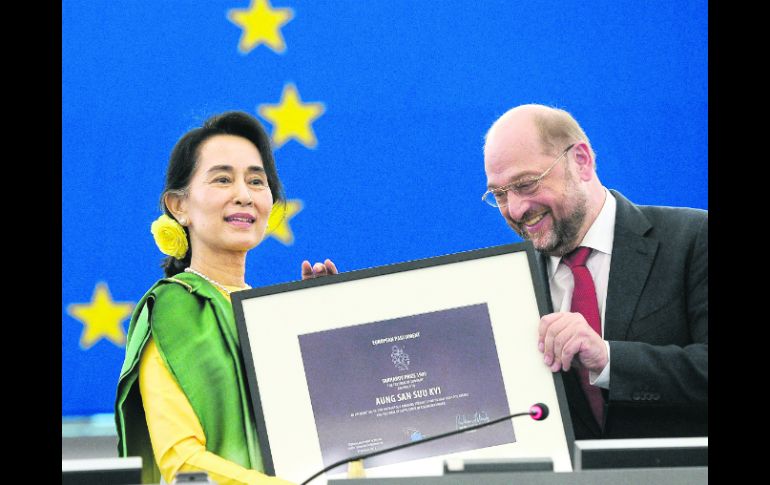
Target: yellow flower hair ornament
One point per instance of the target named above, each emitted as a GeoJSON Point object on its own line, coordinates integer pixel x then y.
{"type": "Point", "coordinates": [169, 236]}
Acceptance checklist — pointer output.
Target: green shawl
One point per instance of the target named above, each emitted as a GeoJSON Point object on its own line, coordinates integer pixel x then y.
{"type": "Point", "coordinates": [192, 325]}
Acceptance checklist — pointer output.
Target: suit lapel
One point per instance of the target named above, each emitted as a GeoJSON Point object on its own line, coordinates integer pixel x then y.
{"type": "Point", "coordinates": [632, 258]}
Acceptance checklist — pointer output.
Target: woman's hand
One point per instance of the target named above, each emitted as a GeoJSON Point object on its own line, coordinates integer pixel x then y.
{"type": "Point", "coordinates": [318, 269]}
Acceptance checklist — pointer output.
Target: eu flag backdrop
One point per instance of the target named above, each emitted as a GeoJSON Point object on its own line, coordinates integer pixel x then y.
{"type": "Point", "coordinates": [377, 110]}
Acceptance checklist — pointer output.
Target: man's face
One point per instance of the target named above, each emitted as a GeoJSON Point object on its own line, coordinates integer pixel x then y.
{"type": "Point", "coordinates": [553, 217]}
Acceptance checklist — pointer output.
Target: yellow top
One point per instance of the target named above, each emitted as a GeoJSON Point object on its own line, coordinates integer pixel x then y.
{"type": "Point", "coordinates": [178, 442]}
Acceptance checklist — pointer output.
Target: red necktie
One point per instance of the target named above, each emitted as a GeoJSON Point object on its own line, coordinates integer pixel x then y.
{"type": "Point", "coordinates": [584, 302]}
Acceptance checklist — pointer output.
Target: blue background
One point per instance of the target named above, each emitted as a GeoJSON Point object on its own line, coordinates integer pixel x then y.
{"type": "Point", "coordinates": [409, 90]}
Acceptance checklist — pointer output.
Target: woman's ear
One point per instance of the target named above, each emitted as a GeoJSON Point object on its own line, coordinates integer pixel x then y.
{"type": "Point", "coordinates": [177, 205]}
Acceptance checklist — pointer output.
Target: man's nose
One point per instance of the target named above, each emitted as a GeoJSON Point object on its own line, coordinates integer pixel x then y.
{"type": "Point", "coordinates": [516, 206]}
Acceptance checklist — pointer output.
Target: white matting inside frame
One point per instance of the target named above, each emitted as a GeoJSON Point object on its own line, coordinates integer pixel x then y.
{"type": "Point", "coordinates": [502, 282]}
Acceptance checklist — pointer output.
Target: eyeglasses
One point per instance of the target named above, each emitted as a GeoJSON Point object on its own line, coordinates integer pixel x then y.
{"type": "Point", "coordinates": [499, 197]}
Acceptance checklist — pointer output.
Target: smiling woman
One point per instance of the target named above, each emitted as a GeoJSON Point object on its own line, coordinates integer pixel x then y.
{"type": "Point", "coordinates": [225, 206]}
{"type": "Point", "coordinates": [182, 402]}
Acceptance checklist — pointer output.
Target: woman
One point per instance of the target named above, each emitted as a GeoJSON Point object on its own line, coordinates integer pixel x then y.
{"type": "Point", "coordinates": [182, 402]}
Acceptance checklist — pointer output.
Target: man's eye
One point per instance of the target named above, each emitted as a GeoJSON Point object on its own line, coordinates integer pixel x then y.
{"type": "Point", "coordinates": [526, 187]}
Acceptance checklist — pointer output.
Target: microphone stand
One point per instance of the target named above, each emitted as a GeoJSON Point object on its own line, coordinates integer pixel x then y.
{"type": "Point", "coordinates": [412, 443]}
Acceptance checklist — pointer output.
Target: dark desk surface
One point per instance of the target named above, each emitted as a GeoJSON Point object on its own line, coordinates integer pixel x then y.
{"type": "Point", "coordinates": [625, 476]}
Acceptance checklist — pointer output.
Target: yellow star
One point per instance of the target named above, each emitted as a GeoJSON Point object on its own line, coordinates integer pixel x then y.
{"type": "Point", "coordinates": [278, 222]}
{"type": "Point", "coordinates": [292, 118]}
{"type": "Point", "coordinates": [261, 23]}
{"type": "Point", "coordinates": [101, 317]}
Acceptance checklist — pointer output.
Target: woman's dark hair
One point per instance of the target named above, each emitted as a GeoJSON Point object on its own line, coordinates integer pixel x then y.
{"type": "Point", "coordinates": [184, 160]}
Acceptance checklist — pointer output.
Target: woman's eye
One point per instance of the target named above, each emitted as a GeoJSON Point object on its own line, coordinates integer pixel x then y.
{"type": "Point", "coordinates": [258, 182]}
{"type": "Point", "coordinates": [222, 180]}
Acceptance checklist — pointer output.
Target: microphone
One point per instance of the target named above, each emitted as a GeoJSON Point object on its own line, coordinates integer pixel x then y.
{"type": "Point", "coordinates": [538, 412]}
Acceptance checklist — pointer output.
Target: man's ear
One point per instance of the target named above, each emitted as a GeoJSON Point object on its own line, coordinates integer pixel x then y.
{"type": "Point", "coordinates": [177, 205]}
{"type": "Point", "coordinates": [584, 161]}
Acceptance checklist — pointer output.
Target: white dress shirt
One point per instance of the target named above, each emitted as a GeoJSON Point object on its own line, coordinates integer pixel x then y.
{"type": "Point", "coordinates": [599, 238]}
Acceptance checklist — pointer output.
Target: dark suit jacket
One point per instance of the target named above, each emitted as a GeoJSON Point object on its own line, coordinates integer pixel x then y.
{"type": "Point", "coordinates": [656, 323]}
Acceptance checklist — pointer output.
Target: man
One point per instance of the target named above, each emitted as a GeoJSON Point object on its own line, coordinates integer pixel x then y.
{"type": "Point", "coordinates": [642, 370]}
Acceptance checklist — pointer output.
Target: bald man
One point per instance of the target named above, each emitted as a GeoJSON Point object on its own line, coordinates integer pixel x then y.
{"type": "Point", "coordinates": [642, 369]}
